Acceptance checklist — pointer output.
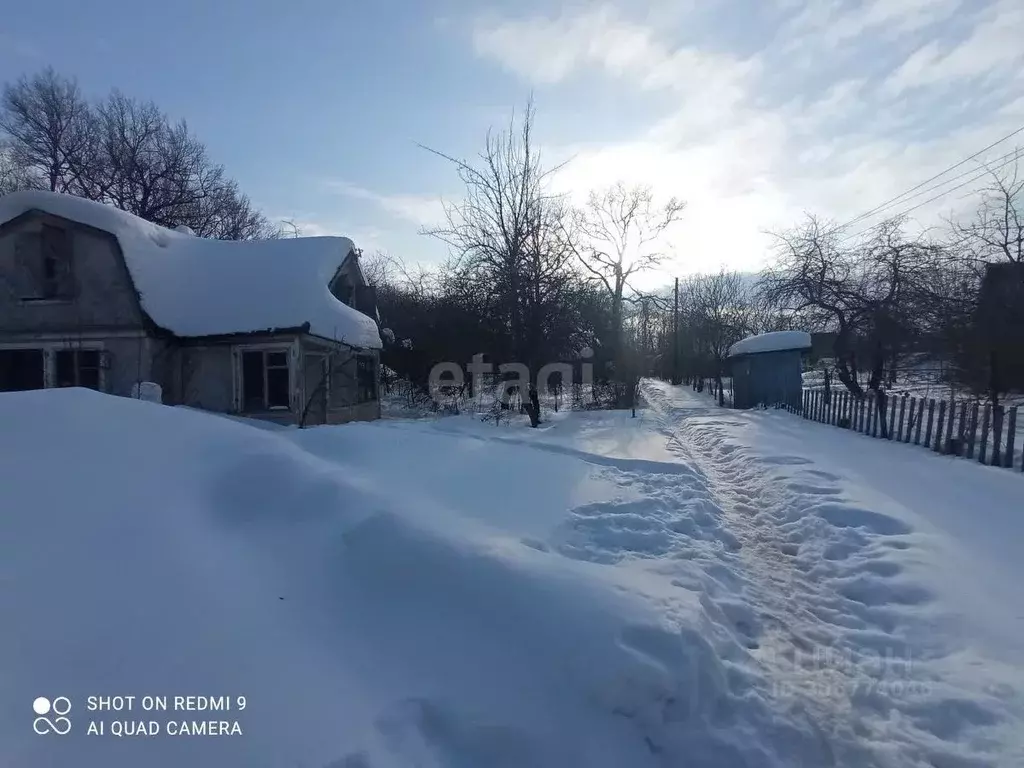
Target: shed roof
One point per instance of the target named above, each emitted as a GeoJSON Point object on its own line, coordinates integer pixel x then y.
{"type": "Point", "coordinates": [195, 286]}
{"type": "Point", "coordinates": [776, 341]}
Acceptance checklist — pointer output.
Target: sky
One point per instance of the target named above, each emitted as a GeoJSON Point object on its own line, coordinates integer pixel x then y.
{"type": "Point", "coordinates": [754, 112]}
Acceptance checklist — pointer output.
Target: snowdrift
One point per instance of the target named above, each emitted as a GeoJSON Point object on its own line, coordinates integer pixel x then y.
{"type": "Point", "coordinates": [368, 618]}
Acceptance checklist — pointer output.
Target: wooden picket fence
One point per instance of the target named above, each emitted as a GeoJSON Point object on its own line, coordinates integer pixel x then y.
{"type": "Point", "coordinates": [952, 427]}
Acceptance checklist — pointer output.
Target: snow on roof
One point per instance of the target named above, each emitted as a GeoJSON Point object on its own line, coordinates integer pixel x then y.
{"type": "Point", "coordinates": [194, 286]}
{"type": "Point", "coordinates": [771, 342]}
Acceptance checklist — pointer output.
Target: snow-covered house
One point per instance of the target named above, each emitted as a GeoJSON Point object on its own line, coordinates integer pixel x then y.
{"type": "Point", "coordinates": [95, 297]}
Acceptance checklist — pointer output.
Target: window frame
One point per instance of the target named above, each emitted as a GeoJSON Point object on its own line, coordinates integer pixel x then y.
{"type": "Point", "coordinates": [76, 352]}
{"type": "Point", "coordinates": [240, 351]}
{"type": "Point", "coordinates": [361, 362]}
{"type": "Point", "coordinates": [50, 348]}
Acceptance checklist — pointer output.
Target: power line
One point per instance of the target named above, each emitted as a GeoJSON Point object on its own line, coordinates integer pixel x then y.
{"type": "Point", "coordinates": [1016, 154]}
{"type": "Point", "coordinates": [900, 198]}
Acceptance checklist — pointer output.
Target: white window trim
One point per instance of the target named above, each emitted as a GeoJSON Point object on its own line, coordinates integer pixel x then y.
{"type": "Point", "coordinates": [290, 349]}
{"type": "Point", "coordinates": [50, 348]}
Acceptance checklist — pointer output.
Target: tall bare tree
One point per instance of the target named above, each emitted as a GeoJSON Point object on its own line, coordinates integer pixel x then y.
{"type": "Point", "coordinates": [720, 311]}
{"type": "Point", "coordinates": [617, 235]}
{"type": "Point", "coordinates": [505, 234]}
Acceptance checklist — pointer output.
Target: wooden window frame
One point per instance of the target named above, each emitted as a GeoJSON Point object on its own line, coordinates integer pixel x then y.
{"type": "Point", "coordinates": [239, 352]}
{"type": "Point", "coordinates": [50, 350]}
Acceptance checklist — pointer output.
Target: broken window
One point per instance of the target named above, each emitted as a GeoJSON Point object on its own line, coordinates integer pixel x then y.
{"type": "Point", "coordinates": [265, 380]}
{"type": "Point", "coordinates": [77, 368]}
{"type": "Point", "coordinates": [21, 369]}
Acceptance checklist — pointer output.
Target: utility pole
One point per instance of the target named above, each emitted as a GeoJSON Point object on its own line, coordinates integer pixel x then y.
{"type": "Point", "coordinates": [675, 337]}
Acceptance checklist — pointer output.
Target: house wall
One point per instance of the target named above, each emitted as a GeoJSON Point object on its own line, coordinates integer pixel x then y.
{"type": "Point", "coordinates": [768, 378]}
{"type": "Point", "coordinates": [342, 390]}
{"type": "Point", "coordinates": [103, 297]}
{"type": "Point", "coordinates": [205, 377]}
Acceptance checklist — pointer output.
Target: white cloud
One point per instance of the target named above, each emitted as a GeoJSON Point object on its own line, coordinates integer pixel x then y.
{"type": "Point", "coordinates": [994, 48]}
{"type": "Point", "coordinates": [421, 210]}
{"type": "Point", "coordinates": [806, 123]}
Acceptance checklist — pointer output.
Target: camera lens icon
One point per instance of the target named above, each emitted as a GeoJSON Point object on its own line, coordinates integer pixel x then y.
{"type": "Point", "coordinates": [59, 725]}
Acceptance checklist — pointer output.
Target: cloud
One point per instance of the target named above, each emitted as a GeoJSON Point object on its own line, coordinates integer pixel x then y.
{"type": "Point", "coordinates": [421, 210]}
{"type": "Point", "coordinates": [830, 106]}
{"type": "Point", "coordinates": [993, 49]}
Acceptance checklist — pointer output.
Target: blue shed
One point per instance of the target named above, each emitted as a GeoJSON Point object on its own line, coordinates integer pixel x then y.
{"type": "Point", "coordinates": [766, 369]}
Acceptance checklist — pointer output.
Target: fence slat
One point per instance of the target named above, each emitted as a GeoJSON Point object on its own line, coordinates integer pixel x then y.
{"type": "Point", "coordinates": [983, 448]}
{"type": "Point", "coordinates": [903, 415]}
{"type": "Point", "coordinates": [860, 413]}
{"type": "Point", "coordinates": [1011, 437]}
{"type": "Point", "coordinates": [910, 419]}
{"type": "Point", "coordinates": [972, 430]}
{"type": "Point", "coordinates": [892, 415]}
{"type": "Point", "coordinates": [961, 427]}
{"type": "Point", "coordinates": [878, 414]}
{"type": "Point", "coordinates": [949, 427]}
{"type": "Point", "coordinates": [920, 422]}
{"type": "Point", "coordinates": [821, 407]}
{"type": "Point", "coordinates": [847, 402]}
{"type": "Point", "coordinates": [928, 429]}
{"type": "Point", "coordinates": [939, 447]}
{"type": "Point", "coordinates": [997, 436]}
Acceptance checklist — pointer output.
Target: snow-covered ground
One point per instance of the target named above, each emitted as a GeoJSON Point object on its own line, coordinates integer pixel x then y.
{"type": "Point", "coordinates": [692, 587]}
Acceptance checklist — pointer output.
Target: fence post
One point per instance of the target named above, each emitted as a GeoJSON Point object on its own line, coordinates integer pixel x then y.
{"type": "Point", "coordinates": [892, 416]}
{"type": "Point", "coordinates": [903, 415]}
{"type": "Point", "coordinates": [983, 448]}
{"type": "Point", "coordinates": [879, 414]}
{"type": "Point", "coordinates": [931, 416]}
{"type": "Point", "coordinates": [920, 422]}
{"type": "Point", "coordinates": [949, 426]}
{"type": "Point", "coordinates": [997, 436]}
{"type": "Point", "coordinates": [860, 413]}
{"type": "Point", "coordinates": [1011, 437]}
{"type": "Point", "coordinates": [939, 447]}
{"type": "Point", "coordinates": [972, 431]}
{"type": "Point", "coordinates": [961, 427]}
{"type": "Point", "coordinates": [910, 419]}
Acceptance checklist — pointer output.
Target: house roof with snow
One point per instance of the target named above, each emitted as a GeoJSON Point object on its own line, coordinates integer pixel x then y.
{"type": "Point", "coordinates": [776, 341]}
{"type": "Point", "coordinates": [194, 286]}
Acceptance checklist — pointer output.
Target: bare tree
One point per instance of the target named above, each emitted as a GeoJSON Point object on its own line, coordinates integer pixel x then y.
{"type": "Point", "coordinates": [719, 309]}
{"type": "Point", "coordinates": [505, 235]}
{"type": "Point", "coordinates": [618, 235]}
{"type": "Point", "coordinates": [869, 293]}
{"type": "Point", "coordinates": [122, 151]}
{"type": "Point", "coordinates": [996, 231]}
{"type": "Point", "coordinates": [49, 125]}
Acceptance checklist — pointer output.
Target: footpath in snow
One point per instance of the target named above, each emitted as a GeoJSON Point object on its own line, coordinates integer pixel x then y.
{"type": "Point", "coordinates": [695, 587]}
